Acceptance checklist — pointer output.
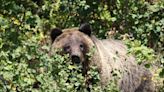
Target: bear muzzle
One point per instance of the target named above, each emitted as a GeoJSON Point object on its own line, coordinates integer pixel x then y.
{"type": "Point", "coordinates": [75, 59]}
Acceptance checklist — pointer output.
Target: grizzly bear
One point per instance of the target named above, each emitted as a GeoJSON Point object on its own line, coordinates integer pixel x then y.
{"type": "Point", "coordinates": [109, 55]}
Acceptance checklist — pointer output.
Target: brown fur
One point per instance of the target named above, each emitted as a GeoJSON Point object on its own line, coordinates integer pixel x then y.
{"type": "Point", "coordinates": [109, 55]}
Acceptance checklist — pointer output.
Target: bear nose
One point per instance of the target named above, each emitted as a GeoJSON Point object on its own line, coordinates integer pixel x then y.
{"type": "Point", "coordinates": [75, 59]}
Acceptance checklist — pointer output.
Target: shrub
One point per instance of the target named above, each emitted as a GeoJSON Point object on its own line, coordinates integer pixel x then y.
{"type": "Point", "coordinates": [24, 28]}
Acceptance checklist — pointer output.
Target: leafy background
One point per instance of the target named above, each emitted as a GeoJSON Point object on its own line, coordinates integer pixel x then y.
{"type": "Point", "coordinates": [24, 40]}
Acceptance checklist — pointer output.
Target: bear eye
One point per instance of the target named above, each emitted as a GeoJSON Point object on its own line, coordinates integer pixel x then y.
{"type": "Point", "coordinates": [67, 49]}
{"type": "Point", "coordinates": [82, 47]}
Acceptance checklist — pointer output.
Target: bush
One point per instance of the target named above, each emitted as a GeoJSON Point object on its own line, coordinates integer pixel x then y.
{"type": "Point", "coordinates": [24, 43]}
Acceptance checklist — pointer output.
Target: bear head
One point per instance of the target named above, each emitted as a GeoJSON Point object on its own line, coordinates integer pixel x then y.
{"type": "Point", "coordinates": [73, 41]}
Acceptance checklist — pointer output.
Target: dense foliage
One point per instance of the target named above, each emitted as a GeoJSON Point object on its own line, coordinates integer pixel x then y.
{"type": "Point", "coordinates": [25, 64]}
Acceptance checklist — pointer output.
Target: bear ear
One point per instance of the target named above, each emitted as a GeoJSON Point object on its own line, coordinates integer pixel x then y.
{"type": "Point", "coordinates": [55, 32]}
{"type": "Point", "coordinates": [85, 28]}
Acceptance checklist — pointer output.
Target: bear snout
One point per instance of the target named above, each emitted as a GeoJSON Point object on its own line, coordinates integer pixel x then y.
{"type": "Point", "coordinates": [75, 59]}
